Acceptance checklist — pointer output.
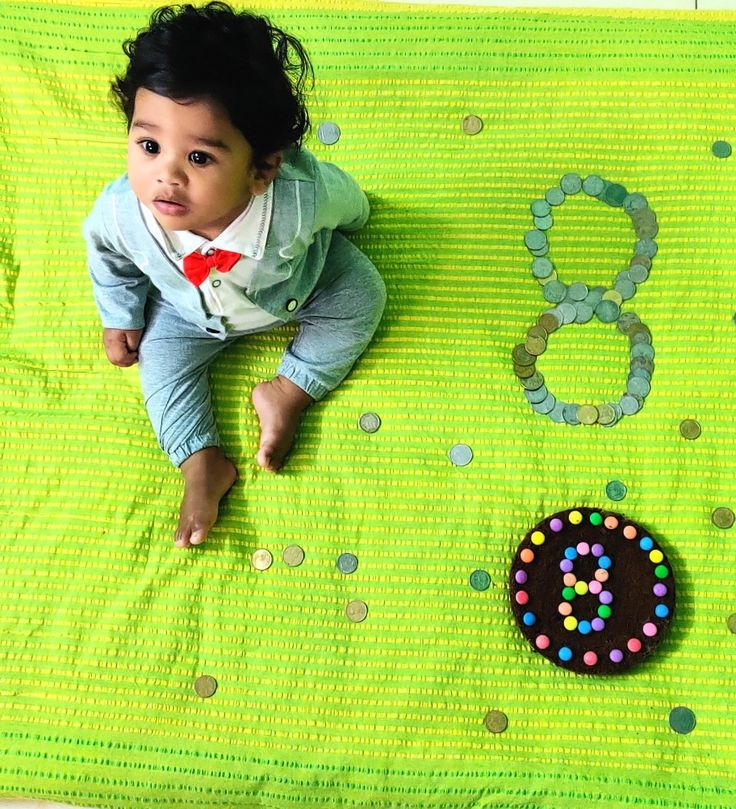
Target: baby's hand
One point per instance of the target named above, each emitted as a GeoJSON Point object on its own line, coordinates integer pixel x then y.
{"type": "Point", "coordinates": [121, 345]}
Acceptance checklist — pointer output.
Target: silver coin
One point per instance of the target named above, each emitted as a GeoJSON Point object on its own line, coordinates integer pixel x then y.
{"type": "Point", "coordinates": [461, 455]}
{"type": "Point", "coordinates": [329, 133]}
{"type": "Point", "coordinates": [472, 124]}
{"type": "Point", "coordinates": [261, 559]}
{"type": "Point", "coordinates": [369, 422]}
{"type": "Point", "coordinates": [347, 563]}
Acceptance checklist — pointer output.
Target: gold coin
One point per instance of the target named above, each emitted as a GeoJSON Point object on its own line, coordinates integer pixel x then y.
{"type": "Point", "coordinates": [613, 295]}
{"type": "Point", "coordinates": [261, 559]}
{"type": "Point", "coordinates": [357, 611]}
{"type": "Point", "coordinates": [293, 555]}
{"type": "Point", "coordinates": [472, 124]}
{"type": "Point", "coordinates": [524, 371]}
{"type": "Point", "coordinates": [723, 517]}
{"type": "Point", "coordinates": [606, 414]}
{"type": "Point", "coordinates": [537, 331]}
{"type": "Point", "coordinates": [690, 429]}
{"type": "Point", "coordinates": [205, 686]}
{"type": "Point", "coordinates": [521, 356]}
{"type": "Point", "coordinates": [587, 414]}
{"type": "Point", "coordinates": [496, 721]}
{"type": "Point", "coordinates": [535, 345]}
{"type": "Point", "coordinates": [548, 322]}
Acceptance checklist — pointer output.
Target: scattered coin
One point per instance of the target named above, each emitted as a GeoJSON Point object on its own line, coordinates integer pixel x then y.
{"type": "Point", "coordinates": [682, 720]}
{"type": "Point", "coordinates": [329, 133]}
{"type": "Point", "coordinates": [731, 623]}
{"type": "Point", "coordinates": [616, 490]}
{"type": "Point", "coordinates": [205, 686]}
{"type": "Point", "coordinates": [690, 429]}
{"type": "Point", "coordinates": [357, 611]}
{"type": "Point", "coordinates": [721, 148]}
{"type": "Point", "coordinates": [369, 422]}
{"type": "Point", "coordinates": [723, 517]}
{"type": "Point", "coordinates": [461, 455]}
{"type": "Point", "coordinates": [261, 559]}
{"type": "Point", "coordinates": [472, 124]}
{"type": "Point", "coordinates": [293, 555]}
{"type": "Point", "coordinates": [480, 580]}
{"type": "Point", "coordinates": [496, 721]}
{"type": "Point", "coordinates": [347, 563]}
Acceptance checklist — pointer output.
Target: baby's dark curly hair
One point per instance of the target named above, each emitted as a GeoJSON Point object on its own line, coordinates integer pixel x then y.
{"type": "Point", "coordinates": [254, 70]}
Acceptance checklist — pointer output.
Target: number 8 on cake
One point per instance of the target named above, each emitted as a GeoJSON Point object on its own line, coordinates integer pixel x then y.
{"type": "Point", "coordinates": [592, 591]}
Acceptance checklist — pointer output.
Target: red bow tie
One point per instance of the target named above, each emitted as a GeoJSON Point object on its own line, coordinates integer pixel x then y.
{"type": "Point", "coordinates": [197, 266]}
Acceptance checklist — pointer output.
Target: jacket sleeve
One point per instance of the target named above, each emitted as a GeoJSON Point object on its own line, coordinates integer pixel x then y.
{"type": "Point", "coordinates": [120, 288]}
{"type": "Point", "coordinates": [341, 203]}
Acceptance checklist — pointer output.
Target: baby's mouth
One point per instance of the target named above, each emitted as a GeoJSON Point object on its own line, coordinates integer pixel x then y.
{"type": "Point", "coordinates": [169, 207]}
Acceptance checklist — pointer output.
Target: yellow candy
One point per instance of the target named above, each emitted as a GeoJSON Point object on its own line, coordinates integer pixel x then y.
{"type": "Point", "coordinates": [570, 623]}
{"type": "Point", "coordinates": [575, 517]}
{"type": "Point", "coordinates": [538, 538]}
{"type": "Point", "coordinates": [581, 588]}
{"type": "Point", "coordinates": [656, 557]}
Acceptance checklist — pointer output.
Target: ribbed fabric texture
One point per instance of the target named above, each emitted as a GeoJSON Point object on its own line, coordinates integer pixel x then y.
{"type": "Point", "coordinates": [105, 625]}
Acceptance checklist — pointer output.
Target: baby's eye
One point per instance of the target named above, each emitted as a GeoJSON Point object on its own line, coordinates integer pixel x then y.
{"type": "Point", "coordinates": [200, 158]}
{"type": "Point", "coordinates": [149, 146]}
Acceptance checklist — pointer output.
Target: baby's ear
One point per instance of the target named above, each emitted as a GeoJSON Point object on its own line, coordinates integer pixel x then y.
{"type": "Point", "coordinates": [264, 176]}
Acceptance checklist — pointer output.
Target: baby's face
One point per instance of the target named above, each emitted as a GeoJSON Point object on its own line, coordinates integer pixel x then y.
{"type": "Point", "coordinates": [189, 165]}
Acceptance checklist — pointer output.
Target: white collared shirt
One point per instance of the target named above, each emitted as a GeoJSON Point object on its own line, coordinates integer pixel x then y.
{"type": "Point", "coordinates": [224, 293]}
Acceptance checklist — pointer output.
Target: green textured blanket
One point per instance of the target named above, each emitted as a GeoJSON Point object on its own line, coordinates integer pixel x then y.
{"type": "Point", "coordinates": [105, 626]}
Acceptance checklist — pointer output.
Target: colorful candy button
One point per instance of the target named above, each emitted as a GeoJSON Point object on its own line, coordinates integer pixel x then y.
{"type": "Point", "coordinates": [649, 629]}
{"type": "Point", "coordinates": [634, 645]}
{"type": "Point", "coordinates": [565, 654]}
{"type": "Point", "coordinates": [527, 556]}
{"type": "Point", "coordinates": [575, 517]}
{"type": "Point", "coordinates": [542, 642]}
{"type": "Point", "coordinates": [538, 538]}
{"type": "Point", "coordinates": [630, 532]}
{"type": "Point", "coordinates": [556, 525]}
{"type": "Point", "coordinates": [611, 522]}
{"type": "Point", "coordinates": [590, 658]}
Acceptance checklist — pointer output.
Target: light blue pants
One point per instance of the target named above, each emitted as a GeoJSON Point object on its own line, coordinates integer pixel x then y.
{"type": "Point", "coordinates": [336, 323]}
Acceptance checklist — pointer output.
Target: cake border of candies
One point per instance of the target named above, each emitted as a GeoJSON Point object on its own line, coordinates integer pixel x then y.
{"type": "Point", "coordinates": [628, 653]}
{"type": "Point", "coordinates": [576, 303]}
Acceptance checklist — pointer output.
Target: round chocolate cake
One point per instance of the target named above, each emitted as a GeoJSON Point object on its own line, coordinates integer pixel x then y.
{"type": "Point", "coordinates": [592, 591]}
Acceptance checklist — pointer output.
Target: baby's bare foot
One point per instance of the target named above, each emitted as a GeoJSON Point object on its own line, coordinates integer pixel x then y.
{"type": "Point", "coordinates": [279, 404]}
{"type": "Point", "coordinates": [208, 476]}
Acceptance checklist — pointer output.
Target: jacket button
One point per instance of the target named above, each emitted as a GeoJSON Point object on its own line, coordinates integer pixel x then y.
{"type": "Point", "coordinates": [291, 304]}
{"type": "Point", "coordinates": [210, 252]}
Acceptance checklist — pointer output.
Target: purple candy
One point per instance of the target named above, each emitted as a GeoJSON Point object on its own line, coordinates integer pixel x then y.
{"type": "Point", "coordinates": [597, 550]}
{"type": "Point", "coordinates": [660, 589]}
{"type": "Point", "coordinates": [598, 624]}
{"type": "Point", "coordinates": [555, 524]}
{"type": "Point", "coordinates": [566, 566]}
{"type": "Point", "coordinates": [605, 597]}
{"type": "Point", "coordinates": [520, 577]}
{"type": "Point", "coordinates": [616, 655]}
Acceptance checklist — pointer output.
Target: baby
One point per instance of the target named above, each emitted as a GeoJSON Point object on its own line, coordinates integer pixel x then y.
{"type": "Point", "coordinates": [223, 226]}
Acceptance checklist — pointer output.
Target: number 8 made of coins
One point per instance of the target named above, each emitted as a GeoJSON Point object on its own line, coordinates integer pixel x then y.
{"type": "Point", "coordinates": [578, 303]}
